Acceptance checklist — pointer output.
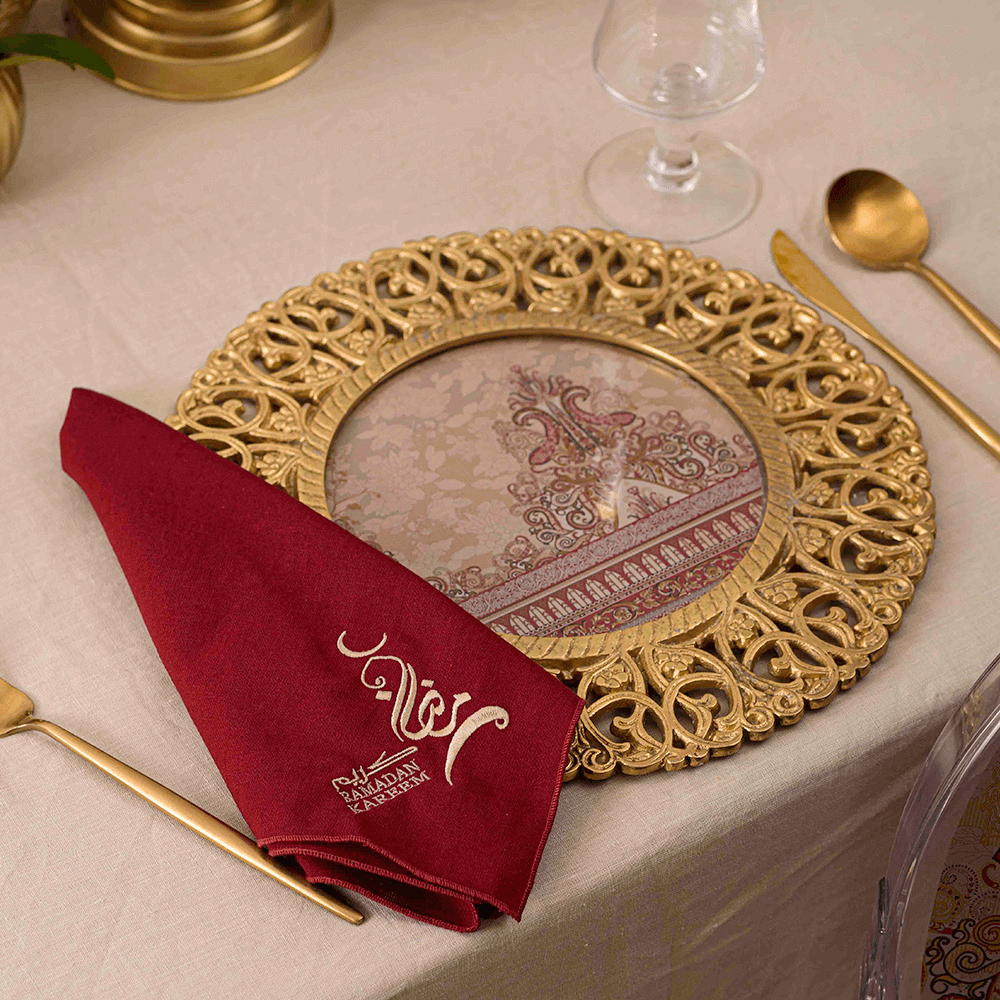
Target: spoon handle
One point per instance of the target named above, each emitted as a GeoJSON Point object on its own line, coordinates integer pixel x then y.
{"type": "Point", "coordinates": [191, 816]}
{"type": "Point", "coordinates": [984, 326]}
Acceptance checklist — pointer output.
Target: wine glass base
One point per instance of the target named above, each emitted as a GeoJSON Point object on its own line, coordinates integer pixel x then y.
{"type": "Point", "coordinates": [725, 192]}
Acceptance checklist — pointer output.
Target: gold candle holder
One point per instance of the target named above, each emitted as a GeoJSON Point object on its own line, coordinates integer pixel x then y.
{"type": "Point", "coordinates": [188, 50]}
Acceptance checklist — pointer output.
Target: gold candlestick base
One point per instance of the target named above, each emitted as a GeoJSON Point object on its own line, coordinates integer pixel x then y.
{"type": "Point", "coordinates": [187, 50]}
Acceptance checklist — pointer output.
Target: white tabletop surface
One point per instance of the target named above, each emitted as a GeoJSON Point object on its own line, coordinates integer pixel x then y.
{"type": "Point", "coordinates": [136, 233]}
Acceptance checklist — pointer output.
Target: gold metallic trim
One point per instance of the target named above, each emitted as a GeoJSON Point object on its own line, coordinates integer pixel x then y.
{"type": "Point", "coordinates": [860, 517]}
{"type": "Point", "coordinates": [197, 51]}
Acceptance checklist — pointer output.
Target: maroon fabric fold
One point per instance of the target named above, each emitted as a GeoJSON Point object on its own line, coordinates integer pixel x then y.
{"type": "Point", "coordinates": [364, 723]}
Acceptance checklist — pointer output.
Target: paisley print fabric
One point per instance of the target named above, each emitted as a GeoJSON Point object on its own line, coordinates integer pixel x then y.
{"type": "Point", "coordinates": [550, 487]}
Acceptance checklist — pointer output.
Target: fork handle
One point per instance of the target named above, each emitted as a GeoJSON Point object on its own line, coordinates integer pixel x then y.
{"type": "Point", "coordinates": [983, 325]}
{"type": "Point", "coordinates": [191, 816]}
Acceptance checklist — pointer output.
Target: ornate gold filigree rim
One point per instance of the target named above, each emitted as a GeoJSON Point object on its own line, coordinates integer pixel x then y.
{"type": "Point", "coordinates": [721, 382]}
{"type": "Point", "coordinates": [859, 523]}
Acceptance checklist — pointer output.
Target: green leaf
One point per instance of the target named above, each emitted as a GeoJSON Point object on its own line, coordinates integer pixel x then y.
{"type": "Point", "coordinates": [15, 50]}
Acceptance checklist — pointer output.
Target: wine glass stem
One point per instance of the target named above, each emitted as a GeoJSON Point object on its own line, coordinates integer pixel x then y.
{"type": "Point", "coordinates": [672, 165]}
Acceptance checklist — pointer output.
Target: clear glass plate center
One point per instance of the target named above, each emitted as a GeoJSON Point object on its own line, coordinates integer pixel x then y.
{"type": "Point", "coordinates": [550, 486]}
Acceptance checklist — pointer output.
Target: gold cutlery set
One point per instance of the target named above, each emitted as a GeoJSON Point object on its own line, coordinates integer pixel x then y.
{"type": "Point", "coordinates": [880, 223]}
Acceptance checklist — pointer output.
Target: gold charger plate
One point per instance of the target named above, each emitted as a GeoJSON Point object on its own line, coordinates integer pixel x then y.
{"type": "Point", "coordinates": [723, 508]}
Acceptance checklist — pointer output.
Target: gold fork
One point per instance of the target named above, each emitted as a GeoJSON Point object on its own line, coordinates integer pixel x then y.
{"type": "Point", "coordinates": [15, 717]}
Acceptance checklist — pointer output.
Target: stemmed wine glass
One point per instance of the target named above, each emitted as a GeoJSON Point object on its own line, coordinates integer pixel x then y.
{"type": "Point", "coordinates": [677, 61]}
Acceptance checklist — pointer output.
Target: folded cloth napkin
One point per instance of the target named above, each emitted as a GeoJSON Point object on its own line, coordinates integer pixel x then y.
{"type": "Point", "coordinates": [364, 723]}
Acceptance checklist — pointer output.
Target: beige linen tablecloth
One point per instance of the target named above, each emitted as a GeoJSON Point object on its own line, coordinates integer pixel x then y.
{"type": "Point", "coordinates": [136, 233]}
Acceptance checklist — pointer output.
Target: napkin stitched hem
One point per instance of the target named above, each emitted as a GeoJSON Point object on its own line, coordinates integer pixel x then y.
{"type": "Point", "coordinates": [373, 894]}
{"type": "Point", "coordinates": [421, 879]}
{"type": "Point", "coordinates": [416, 877]}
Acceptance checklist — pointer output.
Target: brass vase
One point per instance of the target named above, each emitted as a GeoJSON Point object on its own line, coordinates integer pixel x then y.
{"type": "Point", "coordinates": [12, 15]}
{"type": "Point", "coordinates": [11, 116]}
{"type": "Point", "coordinates": [195, 50]}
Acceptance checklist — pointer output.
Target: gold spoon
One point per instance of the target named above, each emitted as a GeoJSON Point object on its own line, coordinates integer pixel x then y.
{"type": "Point", "coordinates": [880, 223]}
{"type": "Point", "coordinates": [15, 717]}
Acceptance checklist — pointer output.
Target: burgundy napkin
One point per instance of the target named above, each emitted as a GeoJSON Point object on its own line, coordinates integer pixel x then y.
{"type": "Point", "coordinates": [364, 723]}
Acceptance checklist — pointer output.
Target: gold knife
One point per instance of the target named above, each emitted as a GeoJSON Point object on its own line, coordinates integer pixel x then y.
{"type": "Point", "coordinates": [802, 274]}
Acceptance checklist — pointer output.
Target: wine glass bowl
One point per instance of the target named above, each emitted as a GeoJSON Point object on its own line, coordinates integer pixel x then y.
{"type": "Point", "coordinates": [676, 61]}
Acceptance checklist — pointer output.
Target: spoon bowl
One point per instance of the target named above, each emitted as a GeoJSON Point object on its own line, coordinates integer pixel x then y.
{"type": "Point", "coordinates": [876, 220]}
{"type": "Point", "coordinates": [880, 223]}
{"type": "Point", "coordinates": [15, 707]}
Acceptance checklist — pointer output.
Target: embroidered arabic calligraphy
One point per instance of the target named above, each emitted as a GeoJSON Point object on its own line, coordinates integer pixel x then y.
{"type": "Point", "coordinates": [432, 707]}
{"type": "Point", "coordinates": [381, 781]}
{"type": "Point", "coordinates": [360, 775]}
